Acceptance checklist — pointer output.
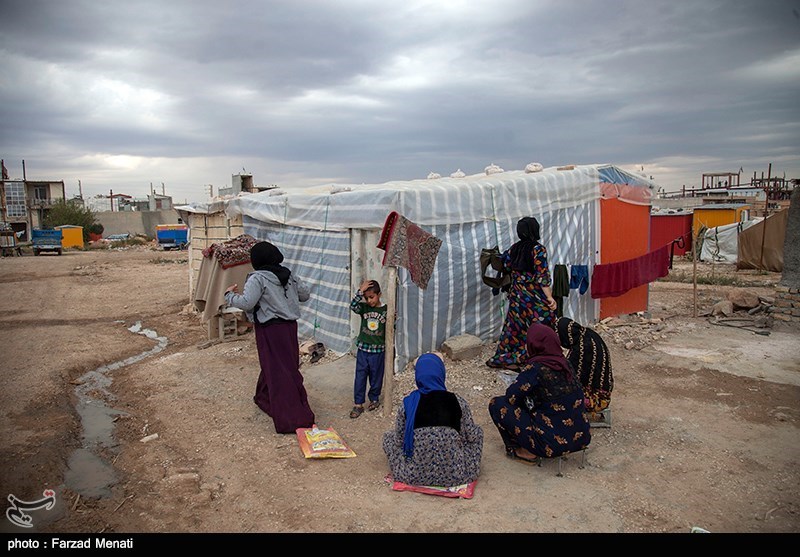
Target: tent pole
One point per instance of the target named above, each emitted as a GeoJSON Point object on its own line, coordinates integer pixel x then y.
{"type": "Point", "coordinates": [766, 212]}
{"type": "Point", "coordinates": [694, 272]}
{"type": "Point", "coordinates": [388, 371]}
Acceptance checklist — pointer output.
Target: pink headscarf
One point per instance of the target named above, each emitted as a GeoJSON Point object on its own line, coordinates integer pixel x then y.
{"type": "Point", "coordinates": [544, 348]}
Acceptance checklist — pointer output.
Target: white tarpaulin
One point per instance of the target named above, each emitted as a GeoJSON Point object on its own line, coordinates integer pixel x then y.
{"type": "Point", "coordinates": [329, 234]}
{"type": "Point", "coordinates": [721, 243]}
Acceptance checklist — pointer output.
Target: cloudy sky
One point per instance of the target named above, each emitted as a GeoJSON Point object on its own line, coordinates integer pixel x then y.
{"type": "Point", "coordinates": [120, 95]}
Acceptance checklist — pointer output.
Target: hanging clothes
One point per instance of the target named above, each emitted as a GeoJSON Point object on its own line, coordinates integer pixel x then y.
{"type": "Point", "coordinates": [614, 279]}
{"type": "Point", "coordinates": [579, 278]}
{"type": "Point", "coordinates": [560, 287]}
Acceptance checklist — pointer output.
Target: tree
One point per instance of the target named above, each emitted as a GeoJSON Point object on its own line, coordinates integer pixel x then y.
{"type": "Point", "coordinates": [63, 212]}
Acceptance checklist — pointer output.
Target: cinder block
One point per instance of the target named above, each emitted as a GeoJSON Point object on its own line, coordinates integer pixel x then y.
{"type": "Point", "coordinates": [462, 347]}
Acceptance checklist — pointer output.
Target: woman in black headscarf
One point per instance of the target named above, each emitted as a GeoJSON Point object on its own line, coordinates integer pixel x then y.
{"type": "Point", "coordinates": [271, 298]}
{"type": "Point", "coordinates": [530, 296]}
{"type": "Point", "coordinates": [591, 360]}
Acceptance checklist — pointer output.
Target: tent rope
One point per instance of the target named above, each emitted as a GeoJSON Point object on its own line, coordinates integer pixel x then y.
{"type": "Point", "coordinates": [497, 243]}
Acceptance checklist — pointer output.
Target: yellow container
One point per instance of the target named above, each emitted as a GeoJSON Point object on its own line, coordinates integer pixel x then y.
{"type": "Point", "coordinates": [71, 236]}
{"type": "Point", "coordinates": [718, 214]}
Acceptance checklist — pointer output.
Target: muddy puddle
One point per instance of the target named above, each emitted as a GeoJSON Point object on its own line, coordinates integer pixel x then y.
{"type": "Point", "coordinates": [90, 472]}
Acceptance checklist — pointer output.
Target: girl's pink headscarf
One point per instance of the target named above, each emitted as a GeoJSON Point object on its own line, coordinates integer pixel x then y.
{"type": "Point", "coordinates": [544, 348]}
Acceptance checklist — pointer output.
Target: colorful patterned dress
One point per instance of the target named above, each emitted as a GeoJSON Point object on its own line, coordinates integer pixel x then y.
{"type": "Point", "coordinates": [542, 411]}
{"type": "Point", "coordinates": [527, 303]}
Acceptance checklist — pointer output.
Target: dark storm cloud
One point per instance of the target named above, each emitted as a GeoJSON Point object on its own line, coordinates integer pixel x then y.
{"type": "Point", "coordinates": [362, 91]}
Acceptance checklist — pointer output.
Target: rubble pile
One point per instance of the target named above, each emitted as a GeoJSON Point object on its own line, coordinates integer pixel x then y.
{"type": "Point", "coordinates": [634, 331]}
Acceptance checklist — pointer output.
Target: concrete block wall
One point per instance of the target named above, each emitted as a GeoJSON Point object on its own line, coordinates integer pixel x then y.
{"type": "Point", "coordinates": [135, 222]}
{"type": "Point", "coordinates": [206, 229]}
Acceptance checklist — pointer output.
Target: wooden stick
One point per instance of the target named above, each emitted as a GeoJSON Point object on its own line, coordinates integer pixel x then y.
{"type": "Point", "coordinates": [694, 272]}
{"type": "Point", "coordinates": [123, 501]}
{"type": "Point", "coordinates": [388, 370]}
{"type": "Point", "coordinates": [766, 212]}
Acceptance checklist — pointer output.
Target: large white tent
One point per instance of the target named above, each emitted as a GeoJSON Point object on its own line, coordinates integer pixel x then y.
{"type": "Point", "coordinates": [329, 234]}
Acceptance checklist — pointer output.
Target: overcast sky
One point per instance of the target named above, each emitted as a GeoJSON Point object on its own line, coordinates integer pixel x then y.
{"type": "Point", "coordinates": [124, 94]}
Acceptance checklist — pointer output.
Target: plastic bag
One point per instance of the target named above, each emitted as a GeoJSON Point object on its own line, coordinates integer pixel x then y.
{"type": "Point", "coordinates": [322, 443]}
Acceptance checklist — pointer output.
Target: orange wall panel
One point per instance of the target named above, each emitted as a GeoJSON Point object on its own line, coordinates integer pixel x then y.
{"type": "Point", "coordinates": [624, 234]}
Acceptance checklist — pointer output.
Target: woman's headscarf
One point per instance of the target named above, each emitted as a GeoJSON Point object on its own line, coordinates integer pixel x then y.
{"type": "Point", "coordinates": [544, 348]}
{"type": "Point", "coordinates": [429, 373]}
{"type": "Point", "coordinates": [522, 251]}
{"type": "Point", "coordinates": [266, 257]}
{"type": "Point", "coordinates": [588, 354]}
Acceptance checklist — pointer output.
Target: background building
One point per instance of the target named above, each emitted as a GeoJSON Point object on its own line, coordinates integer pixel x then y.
{"type": "Point", "coordinates": [25, 203]}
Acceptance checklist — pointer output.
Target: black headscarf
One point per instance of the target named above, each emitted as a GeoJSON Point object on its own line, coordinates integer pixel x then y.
{"type": "Point", "coordinates": [266, 257]}
{"type": "Point", "coordinates": [588, 354]}
{"type": "Point", "coordinates": [522, 251]}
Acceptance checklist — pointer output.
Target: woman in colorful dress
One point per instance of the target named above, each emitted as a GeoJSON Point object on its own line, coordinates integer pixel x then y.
{"type": "Point", "coordinates": [541, 413]}
{"type": "Point", "coordinates": [530, 295]}
{"type": "Point", "coordinates": [591, 360]}
{"type": "Point", "coordinates": [435, 441]}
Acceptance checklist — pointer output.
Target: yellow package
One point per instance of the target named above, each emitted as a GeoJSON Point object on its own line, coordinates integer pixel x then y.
{"type": "Point", "coordinates": [322, 443]}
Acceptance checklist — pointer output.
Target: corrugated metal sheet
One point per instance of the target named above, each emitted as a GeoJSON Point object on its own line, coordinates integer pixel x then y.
{"type": "Point", "coordinates": [664, 228]}
{"type": "Point", "coordinates": [625, 235]}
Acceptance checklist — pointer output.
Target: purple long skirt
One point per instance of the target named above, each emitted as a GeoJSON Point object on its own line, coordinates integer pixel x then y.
{"type": "Point", "coordinates": [280, 391]}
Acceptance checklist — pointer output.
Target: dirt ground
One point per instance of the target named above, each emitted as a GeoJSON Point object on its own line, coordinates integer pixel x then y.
{"type": "Point", "coordinates": [113, 398]}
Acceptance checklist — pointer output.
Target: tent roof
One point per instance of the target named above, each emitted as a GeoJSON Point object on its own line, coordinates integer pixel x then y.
{"type": "Point", "coordinates": [440, 201]}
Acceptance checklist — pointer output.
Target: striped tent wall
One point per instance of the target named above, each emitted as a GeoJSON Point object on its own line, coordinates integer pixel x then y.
{"type": "Point", "coordinates": [456, 300]}
{"type": "Point", "coordinates": [322, 260]}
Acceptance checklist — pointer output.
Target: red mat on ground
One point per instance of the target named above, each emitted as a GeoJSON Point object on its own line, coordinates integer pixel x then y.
{"type": "Point", "coordinates": [464, 491]}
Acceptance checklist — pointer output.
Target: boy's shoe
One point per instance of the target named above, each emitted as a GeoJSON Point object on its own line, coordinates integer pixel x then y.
{"type": "Point", "coordinates": [373, 405]}
{"type": "Point", "coordinates": [356, 411]}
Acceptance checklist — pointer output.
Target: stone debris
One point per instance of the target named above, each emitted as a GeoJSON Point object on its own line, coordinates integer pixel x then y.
{"type": "Point", "coordinates": [743, 299]}
{"type": "Point", "coordinates": [725, 307]}
{"type": "Point", "coordinates": [148, 438]}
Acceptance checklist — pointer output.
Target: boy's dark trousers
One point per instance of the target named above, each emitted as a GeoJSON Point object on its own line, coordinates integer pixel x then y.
{"type": "Point", "coordinates": [369, 365]}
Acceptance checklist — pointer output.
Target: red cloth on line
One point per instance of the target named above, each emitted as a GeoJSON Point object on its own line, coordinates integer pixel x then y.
{"type": "Point", "coordinates": [614, 279]}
